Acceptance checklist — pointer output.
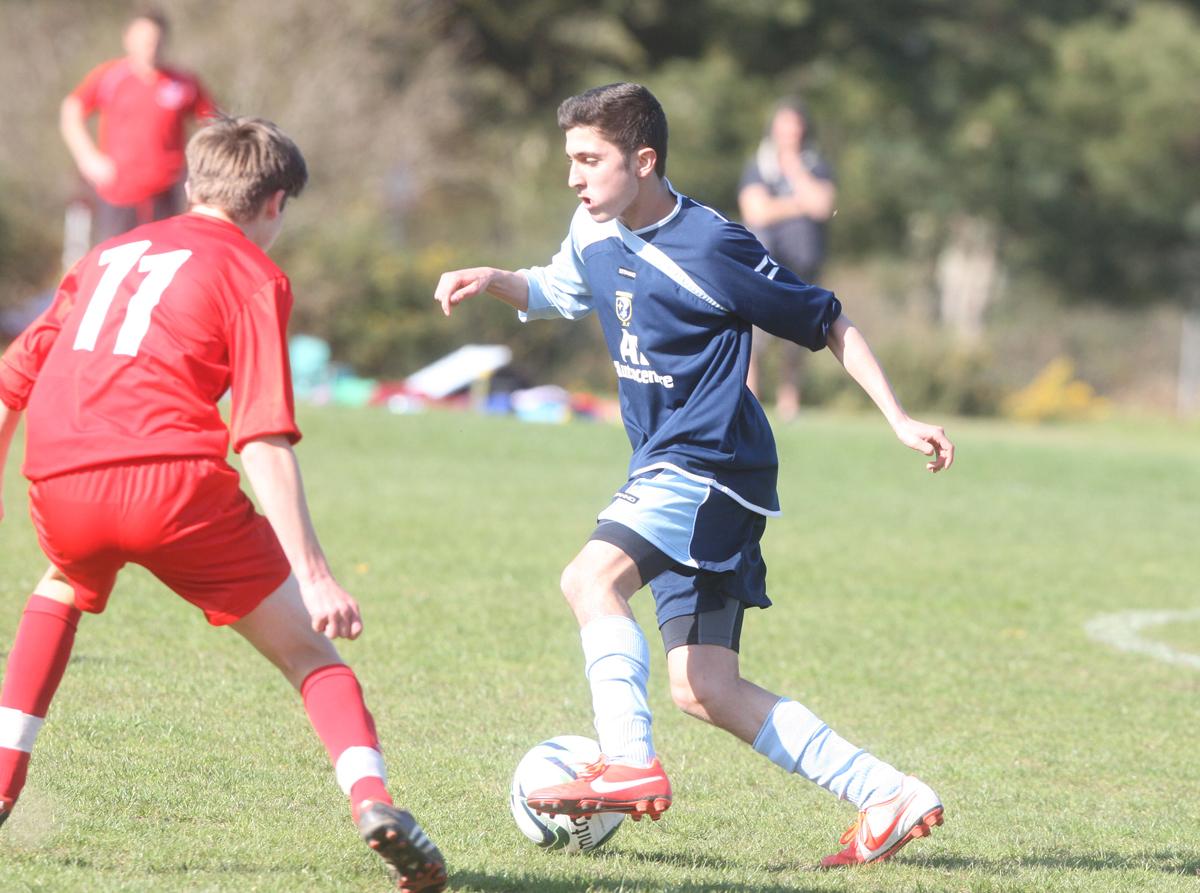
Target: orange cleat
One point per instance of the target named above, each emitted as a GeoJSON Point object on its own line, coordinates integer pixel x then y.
{"type": "Point", "coordinates": [881, 830]}
{"type": "Point", "coordinates": [608, 787]}
{"type": "Point", "coordinates": [415, 864]}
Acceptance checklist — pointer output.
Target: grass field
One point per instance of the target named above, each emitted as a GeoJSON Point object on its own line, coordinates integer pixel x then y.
{"type": "Point", "coordinates": [937, 621]}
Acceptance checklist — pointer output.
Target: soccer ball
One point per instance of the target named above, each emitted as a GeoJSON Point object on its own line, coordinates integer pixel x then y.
{"type": "Point", "coordinates": [549, 763]}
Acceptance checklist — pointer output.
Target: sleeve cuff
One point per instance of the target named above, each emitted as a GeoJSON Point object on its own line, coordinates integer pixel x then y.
{"type": "Point", "coordinates": [832, 311]}
{"type": "Point", "coordinates": [293, 436]}
{"type": "Point", "coordinates": [538, 305]}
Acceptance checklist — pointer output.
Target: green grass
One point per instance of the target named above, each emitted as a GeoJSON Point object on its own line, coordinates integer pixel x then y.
{"type": "Point", "coordinates": [937, 621]}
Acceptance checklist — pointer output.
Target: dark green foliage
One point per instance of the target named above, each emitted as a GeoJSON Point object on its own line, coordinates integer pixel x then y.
{"type": "Point", "coordinates": [1073, 127]}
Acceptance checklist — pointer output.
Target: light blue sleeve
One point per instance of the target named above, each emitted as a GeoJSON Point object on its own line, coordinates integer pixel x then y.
{"type": "Point", "coordinates": [560, 288]}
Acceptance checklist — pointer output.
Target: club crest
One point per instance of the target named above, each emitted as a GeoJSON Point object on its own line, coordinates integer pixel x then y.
{"type": "Point", "coordinates": [624, 307]}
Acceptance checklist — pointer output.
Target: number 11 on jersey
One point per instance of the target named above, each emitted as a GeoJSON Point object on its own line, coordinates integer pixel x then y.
{"type": "Point", "coordinates": [118, 263]}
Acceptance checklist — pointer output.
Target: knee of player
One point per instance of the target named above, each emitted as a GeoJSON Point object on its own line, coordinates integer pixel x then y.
{"type": "Point", "coordinates": [694, 695]}
{"type": "Point", "coordinates": [574, 582]}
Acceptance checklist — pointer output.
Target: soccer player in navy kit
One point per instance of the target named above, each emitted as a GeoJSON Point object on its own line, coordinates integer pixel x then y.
{"type": "Point", "coordinates": [678, 288]}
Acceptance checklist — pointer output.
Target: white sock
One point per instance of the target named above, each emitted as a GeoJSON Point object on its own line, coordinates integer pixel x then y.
{"type": "Point", "coordinates": [798, 741]}
{"type": "Point", "coordinates": [617, 662]}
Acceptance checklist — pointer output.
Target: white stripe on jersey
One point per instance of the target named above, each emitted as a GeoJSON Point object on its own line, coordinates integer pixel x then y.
{"type": "Point", "coordinates": [656, 258]}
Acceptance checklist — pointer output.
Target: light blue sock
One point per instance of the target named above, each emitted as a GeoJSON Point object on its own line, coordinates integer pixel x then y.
{"type": "Point", "coordinates": [798, 741]}
{"type": "Point", "coordinates": [617, 662]}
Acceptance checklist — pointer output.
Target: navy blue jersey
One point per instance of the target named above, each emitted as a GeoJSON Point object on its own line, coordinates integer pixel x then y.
{"type": "Point", "coordinates": [676, 301]}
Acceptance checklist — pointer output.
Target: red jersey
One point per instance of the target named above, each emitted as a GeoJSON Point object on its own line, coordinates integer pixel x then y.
{"type": "Point", "coordinates": [142, 125]}
{"type": "Point", "coordinates": [145, 335]}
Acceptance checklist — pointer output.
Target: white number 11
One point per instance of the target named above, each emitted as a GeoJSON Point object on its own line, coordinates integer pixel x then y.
{"type": "Point", "coordinates": [119, 263]}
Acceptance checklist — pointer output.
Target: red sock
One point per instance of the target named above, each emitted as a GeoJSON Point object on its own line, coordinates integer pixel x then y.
{"type": "Point", "coordinates": [35, 667]}
{"type": "Point", "coordinates": [334, 702]}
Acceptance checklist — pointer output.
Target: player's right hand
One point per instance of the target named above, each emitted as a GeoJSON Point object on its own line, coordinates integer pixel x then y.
{"type": "Point", "coordinates": [98, 169]}
{"type": "Point", "coordinates": [458, 285]}
{"type": "Point", "coordinates": [334, 611]}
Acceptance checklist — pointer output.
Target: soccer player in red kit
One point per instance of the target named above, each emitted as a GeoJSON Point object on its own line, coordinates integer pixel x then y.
{"type": "Point", "coordinates": [126, 454]}
{"type": "Point", "coordinates": [136, 164]}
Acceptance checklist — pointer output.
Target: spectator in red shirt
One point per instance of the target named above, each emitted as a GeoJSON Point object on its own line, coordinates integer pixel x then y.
{"type": "Point", "coordinates": [126, 451]}
{"type": "Point", "coordinates": [136, 165]}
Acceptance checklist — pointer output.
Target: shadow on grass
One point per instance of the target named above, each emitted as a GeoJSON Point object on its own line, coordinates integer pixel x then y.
{"type": "Point", "coordinates": [1174, 863]}
{"type": "Point", "coordinates": [470, 880]}
{"type": "Point", "coordinates": [1164, 862]}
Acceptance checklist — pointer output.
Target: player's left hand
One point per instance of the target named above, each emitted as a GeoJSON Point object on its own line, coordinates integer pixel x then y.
{"type": "Point", "coordinates": [928, 439]}
{"type": "Point", "coordinates": [334, 611]}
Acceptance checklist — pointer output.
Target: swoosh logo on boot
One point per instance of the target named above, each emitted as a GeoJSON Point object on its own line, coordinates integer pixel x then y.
{"type": "Point", "coordinates": [609, 787]}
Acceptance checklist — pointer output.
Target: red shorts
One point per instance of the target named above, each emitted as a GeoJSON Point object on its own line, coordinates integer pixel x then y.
{"type": "Point", "coordinates": [185, 520]}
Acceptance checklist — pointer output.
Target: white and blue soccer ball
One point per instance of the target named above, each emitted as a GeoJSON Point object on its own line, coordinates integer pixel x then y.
{"type": "Point", "coordinates": [553, 762]}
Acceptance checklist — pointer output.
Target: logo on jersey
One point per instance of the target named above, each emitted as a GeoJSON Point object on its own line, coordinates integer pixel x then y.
{"type": "Point", "coordinates": [624, 307]}
{"type": "Point", "coordinates": [634, 366]}
{"type": "Point", "coordinates": [173, 94]}
{"type": "Point", "coordinates": [768, 266]}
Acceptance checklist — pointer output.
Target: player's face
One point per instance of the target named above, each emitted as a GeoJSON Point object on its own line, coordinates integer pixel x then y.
{"type": "Point", "coordinates": [143, 42]}
{"type": "Point", "coordinates": [787, 130]}
{"type": "Point", "coordinates": [603, 177]}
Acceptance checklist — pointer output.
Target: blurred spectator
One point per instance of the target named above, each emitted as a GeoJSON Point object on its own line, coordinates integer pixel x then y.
{"type": "Point", "coordinates": [136, 166]}
{"type": "Point", "coordinates": [786, 195]}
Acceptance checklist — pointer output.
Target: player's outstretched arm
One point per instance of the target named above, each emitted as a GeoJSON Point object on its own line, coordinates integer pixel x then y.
{"type": "Point", "coordinates": [274, 474]}
{"type": "Point", "coordinates": [458, 285]}
{"type": "Point", "coordinates": [850, 347]}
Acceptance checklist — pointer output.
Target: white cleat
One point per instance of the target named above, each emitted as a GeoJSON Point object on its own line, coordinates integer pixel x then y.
{"type": "Point", "coordinates": [882, 829]}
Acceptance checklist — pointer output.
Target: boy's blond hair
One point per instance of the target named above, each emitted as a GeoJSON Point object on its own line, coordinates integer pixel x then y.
{"type": "Point", "coordinates": [236, 164]}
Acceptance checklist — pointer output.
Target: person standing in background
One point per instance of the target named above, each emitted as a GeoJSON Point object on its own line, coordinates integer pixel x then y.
{"type": "Point", "coordinates": [786, 196]}
{"type": "Point", "coordinates": [136, 164]}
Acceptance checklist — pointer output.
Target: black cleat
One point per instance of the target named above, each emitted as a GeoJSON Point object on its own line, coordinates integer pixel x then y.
{"type": "Point", "coordinates": [416, 865]}
{"type": "Point", "coordinates": [5, 808]}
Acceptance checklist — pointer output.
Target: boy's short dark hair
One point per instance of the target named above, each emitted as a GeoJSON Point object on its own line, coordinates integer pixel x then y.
{"type": "Point", "coordinates": [236, 164]}
{"type": "Point", "coordinates": [151, 14]}
{"type": "Point", "coordinates": [626, 114]}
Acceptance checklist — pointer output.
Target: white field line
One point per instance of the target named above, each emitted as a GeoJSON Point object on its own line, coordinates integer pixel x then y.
{"type": "Point", "coordinates": [1122, 631]}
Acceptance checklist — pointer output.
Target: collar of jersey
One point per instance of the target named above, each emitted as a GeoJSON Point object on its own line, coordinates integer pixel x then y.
{"type": "Point", "coordinates": [665, 220]}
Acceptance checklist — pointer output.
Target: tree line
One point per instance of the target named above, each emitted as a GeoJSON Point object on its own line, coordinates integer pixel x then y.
{"type": "Point", "coordinates": [971, 139]}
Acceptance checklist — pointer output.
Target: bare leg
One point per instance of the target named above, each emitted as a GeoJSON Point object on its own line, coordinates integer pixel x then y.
{"type": "Point", "coordinates": [791, 372]}
{"type": "Point", "coordinates": [281, 629]}
{"type": "Point", "coordinates": [54, 585]}
{"type": "Point", "coordinates": [599, 582]}
{"type": "Point", "coordinates": [706, 684]}
{"type": "Point", "coordinates": [33, 670]}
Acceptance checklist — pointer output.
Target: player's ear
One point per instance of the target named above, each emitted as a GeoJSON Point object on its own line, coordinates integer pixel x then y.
{"type": "Point", "coordinates": [275, 203]}
{"type": "Point", "coordinates": [644, 161]}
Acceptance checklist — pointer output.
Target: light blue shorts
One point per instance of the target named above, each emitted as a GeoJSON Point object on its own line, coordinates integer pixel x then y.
{"type": "Point", "coordinates": [711, 541]}
{"type": "Point", "coordinates": [661, 506]}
